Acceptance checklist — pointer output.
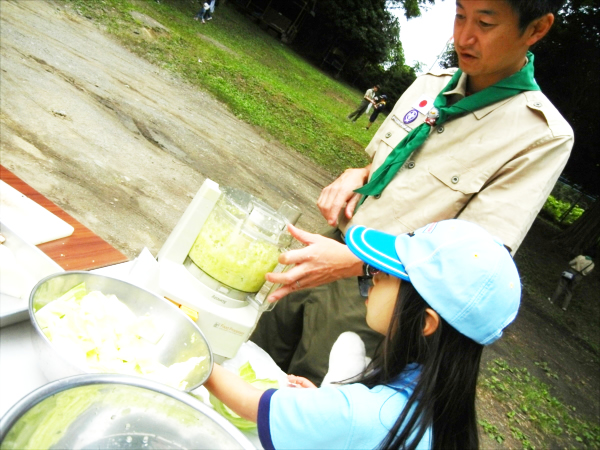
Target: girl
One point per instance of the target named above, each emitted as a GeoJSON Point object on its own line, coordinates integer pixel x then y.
{"type": "Point", "coordinates": [438, 296]}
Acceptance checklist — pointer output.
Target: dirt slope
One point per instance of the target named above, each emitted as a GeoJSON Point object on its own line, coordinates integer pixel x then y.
{"type": "Point", "coordinates": [119, 143]}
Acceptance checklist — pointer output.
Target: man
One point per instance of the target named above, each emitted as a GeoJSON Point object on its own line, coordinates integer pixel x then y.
{"type": "Point", "coordinates": [489, 151]}
{"type": "Point", "coordinates": [378, 108]}
{"type": "Point", "coordinates": [368, 99]}
{"type": "Point", "coordinates": [579, 267]}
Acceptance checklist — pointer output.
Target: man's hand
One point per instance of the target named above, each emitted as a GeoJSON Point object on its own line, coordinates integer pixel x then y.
{"type": "Point", "coordinates": [341, 193]}
{"type": "Point", "coordinates": [322, 261]}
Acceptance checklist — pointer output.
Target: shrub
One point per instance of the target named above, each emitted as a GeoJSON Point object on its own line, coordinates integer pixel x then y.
{"type": "Point", "coordinates": [555, 209]}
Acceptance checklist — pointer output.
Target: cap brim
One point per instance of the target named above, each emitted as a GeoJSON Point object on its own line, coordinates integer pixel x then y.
{"type": "Point", "coordinates": [377, 249]}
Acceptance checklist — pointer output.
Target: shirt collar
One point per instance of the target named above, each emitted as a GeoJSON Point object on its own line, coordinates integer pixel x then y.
{"type": "Point", "coordinates": [460, 91]}
{"type": "Point", "coordinates": [408, 377]}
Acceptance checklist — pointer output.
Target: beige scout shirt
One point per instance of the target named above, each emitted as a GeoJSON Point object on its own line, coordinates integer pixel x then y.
{"type": "Point", "coordinates": [370, 94]}
{"type": "Point", "coordinates": [582, 264]}
{"type": "Point", "coordinates": [495, 166]}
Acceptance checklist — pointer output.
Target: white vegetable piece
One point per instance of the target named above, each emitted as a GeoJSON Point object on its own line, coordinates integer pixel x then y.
{"type": "Point", "coordinates": [100, 333]}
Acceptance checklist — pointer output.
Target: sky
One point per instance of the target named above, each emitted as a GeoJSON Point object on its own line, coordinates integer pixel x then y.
{"type": "Point", "coordinates": [424, 38]}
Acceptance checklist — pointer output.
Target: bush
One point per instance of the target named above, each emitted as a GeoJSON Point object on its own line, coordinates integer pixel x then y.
{"type": "Point", "coordinates": [555, 209]}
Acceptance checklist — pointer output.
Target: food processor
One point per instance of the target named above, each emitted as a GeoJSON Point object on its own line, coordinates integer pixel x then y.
{"type": "Point", "coordinates": [214, 262]}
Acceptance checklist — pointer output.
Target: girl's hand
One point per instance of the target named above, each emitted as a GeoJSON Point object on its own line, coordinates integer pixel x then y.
{"type": "Point", "coordinates": [300, 382]}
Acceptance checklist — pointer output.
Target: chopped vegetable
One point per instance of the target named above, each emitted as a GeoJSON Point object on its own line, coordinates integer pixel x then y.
{"type": "Point", "coordinates": [223, 251]}
{"type": "Point", "coordinates": [100, 333]}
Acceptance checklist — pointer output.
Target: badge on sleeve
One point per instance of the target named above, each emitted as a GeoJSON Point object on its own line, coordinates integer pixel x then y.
{"type": "Point", "coordinates": [423, 104]}
{"type": "Point", "coordinates": [410, 116]}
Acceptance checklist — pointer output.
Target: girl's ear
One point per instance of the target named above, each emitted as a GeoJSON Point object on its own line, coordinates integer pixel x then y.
{"type": "Point", "coordinates": [432, 322]}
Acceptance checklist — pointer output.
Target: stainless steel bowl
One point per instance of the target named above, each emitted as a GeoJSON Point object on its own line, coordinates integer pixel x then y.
{"type": "Point", "coordinates": [182, 338]}
{"type": "Point", "coordinates": [109, 411]}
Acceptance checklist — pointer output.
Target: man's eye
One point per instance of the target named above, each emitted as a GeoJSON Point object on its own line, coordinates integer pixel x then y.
{"type": "Point", "coordinates": [485, 24]}
{"type": "Point", "coordinates": [459, 17]}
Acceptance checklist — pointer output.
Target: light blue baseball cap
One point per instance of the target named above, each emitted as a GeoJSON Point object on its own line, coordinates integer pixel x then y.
{"type": "Point", "coordinates": [467, 276]}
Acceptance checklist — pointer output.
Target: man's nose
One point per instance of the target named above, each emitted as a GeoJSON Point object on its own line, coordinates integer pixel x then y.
{"type": "Point", "coordinates": [465, 35]}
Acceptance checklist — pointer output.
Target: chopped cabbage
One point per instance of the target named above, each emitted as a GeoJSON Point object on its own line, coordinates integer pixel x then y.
{"type": "Point", "coordinates": [100, 333]}
{"type": "Point", "coordinates": [224, 252]}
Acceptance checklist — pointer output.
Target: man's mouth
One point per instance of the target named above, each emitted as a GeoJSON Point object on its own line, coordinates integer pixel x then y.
{"type": "Point", "coordinates": [466, 56]}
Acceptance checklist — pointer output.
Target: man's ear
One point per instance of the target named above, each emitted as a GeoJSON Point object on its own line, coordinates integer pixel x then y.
{"type": "Point", "coordinates": [432, 322]}
{"type": "Point", "coordinates": [537, 29]}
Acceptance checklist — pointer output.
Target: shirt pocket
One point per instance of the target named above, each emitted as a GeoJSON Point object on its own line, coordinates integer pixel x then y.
{"type": "Point", "coordinates": [457, 176]}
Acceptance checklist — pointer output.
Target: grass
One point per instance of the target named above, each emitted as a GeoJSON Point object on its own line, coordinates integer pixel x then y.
{"type": "Point", "coordinates": [262, 81]}
{"type": "Point", "coordinates": [533, 414]}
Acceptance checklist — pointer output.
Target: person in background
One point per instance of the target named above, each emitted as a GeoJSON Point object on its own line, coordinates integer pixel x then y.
{"type": "Point", "coordinates": [580, 266]}
{"type": "Point", "coordinates": [378, 108]}
{"type": "Point", "coordinates": [481, 143]}
{"type": "Point", "coordinates": [211, 10]}
{"type": "Point", "coordinates": [203, 12]}
{"type": "Point", "coordinates": [368, 99]}
{"type": "Point", "coordinates": [437, 296]}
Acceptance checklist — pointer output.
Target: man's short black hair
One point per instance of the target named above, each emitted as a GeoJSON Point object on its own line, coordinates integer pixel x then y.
{"type": "Point", "coordinates": [529, 10]}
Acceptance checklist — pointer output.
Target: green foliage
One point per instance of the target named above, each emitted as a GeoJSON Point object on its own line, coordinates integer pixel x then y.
{"type": "Point", "coordinates": [449, 58]}
{"type": "Point", "coordinates": [366, 34]}
{"type": "Point", "coordinates": [531, 404]}
{"type": "Point", "coordinates": [262, 81]}
{"type": "Point", "coordinates": [412, 8]}
{"type": "Point", "coordinates": [555, 209]}
{"type": "Point", "coordinates": [491, 431]}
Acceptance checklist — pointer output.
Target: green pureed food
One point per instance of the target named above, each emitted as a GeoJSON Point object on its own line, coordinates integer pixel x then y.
{"type": "Point", "coordinates": [229, 255]}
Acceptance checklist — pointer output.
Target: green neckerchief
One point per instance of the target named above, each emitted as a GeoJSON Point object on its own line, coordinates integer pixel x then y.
{"type": "Point", "coordinates": [516, 83]}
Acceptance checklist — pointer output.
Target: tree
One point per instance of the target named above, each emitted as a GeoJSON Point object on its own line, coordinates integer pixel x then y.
{"type": "Point", "coordinates": [366, 31]}
{"type": "Point", "coordinates": [412, 8]}
{"type": "Point", "coordinates": [567, 71]}
{"type": "Point", "coordinates": [584, 233]}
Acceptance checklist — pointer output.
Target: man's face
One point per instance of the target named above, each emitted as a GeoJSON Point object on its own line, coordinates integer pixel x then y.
{"type": "Point", "coordinates": [488, 41]}
{"type": "Point", "coordinates": [375, 89]}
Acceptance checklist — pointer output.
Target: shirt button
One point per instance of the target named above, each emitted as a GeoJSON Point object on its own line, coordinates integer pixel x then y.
{"type": "Point", "coordinates": [376, 196]}
{"type": "Point", "coordinates": [440, 130]}
{"type": "Point", "coordinates": [454, 179]}
{"type": "Point", "coordinates": [388, 134]}
{"type": "Point", "coordinates": [537, 104]}
{"type": "Point", "coordinates": [410, 164]}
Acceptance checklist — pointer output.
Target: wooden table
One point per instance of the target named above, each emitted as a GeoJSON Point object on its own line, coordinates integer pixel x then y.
{"type": "Point", "coordinates": [83, 250]}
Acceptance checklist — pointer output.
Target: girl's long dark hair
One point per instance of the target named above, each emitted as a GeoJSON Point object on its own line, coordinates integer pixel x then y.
{"type": "Point", "coordinates": [444, 394]}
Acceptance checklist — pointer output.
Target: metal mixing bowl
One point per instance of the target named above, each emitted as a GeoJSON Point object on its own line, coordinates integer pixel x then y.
{"type": "Point", "coordinates": [182, 338]}
{"type": "Point", "coordinates": [109, 411]}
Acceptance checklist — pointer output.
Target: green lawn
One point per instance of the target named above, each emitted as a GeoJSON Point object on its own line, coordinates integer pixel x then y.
{"type": "Point", "coordinates": [262, 81]}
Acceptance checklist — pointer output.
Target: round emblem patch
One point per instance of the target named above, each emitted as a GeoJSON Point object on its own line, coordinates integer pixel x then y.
{"type": "Point", "coordinates": [410, 116]}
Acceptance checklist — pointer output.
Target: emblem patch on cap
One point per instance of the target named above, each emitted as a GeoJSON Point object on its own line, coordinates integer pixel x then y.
{"type": "Point", "coordinates": [410, 116]}
{"type": "Point", "coordinates": [430, 227]}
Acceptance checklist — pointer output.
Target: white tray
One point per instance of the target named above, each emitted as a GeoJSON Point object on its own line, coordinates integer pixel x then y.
{"type": "Point", "coordinates": [37, 264]}
{"type": "Point", "coordinates": [33, 222]}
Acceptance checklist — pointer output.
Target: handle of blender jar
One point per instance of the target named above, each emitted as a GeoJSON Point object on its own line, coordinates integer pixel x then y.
{"type": "Point", "coordinates": [280, 268]}
{"type": "Point", "coordinates": [290, 212]}
{"type": "Point", "coordinates": [268, 306]}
